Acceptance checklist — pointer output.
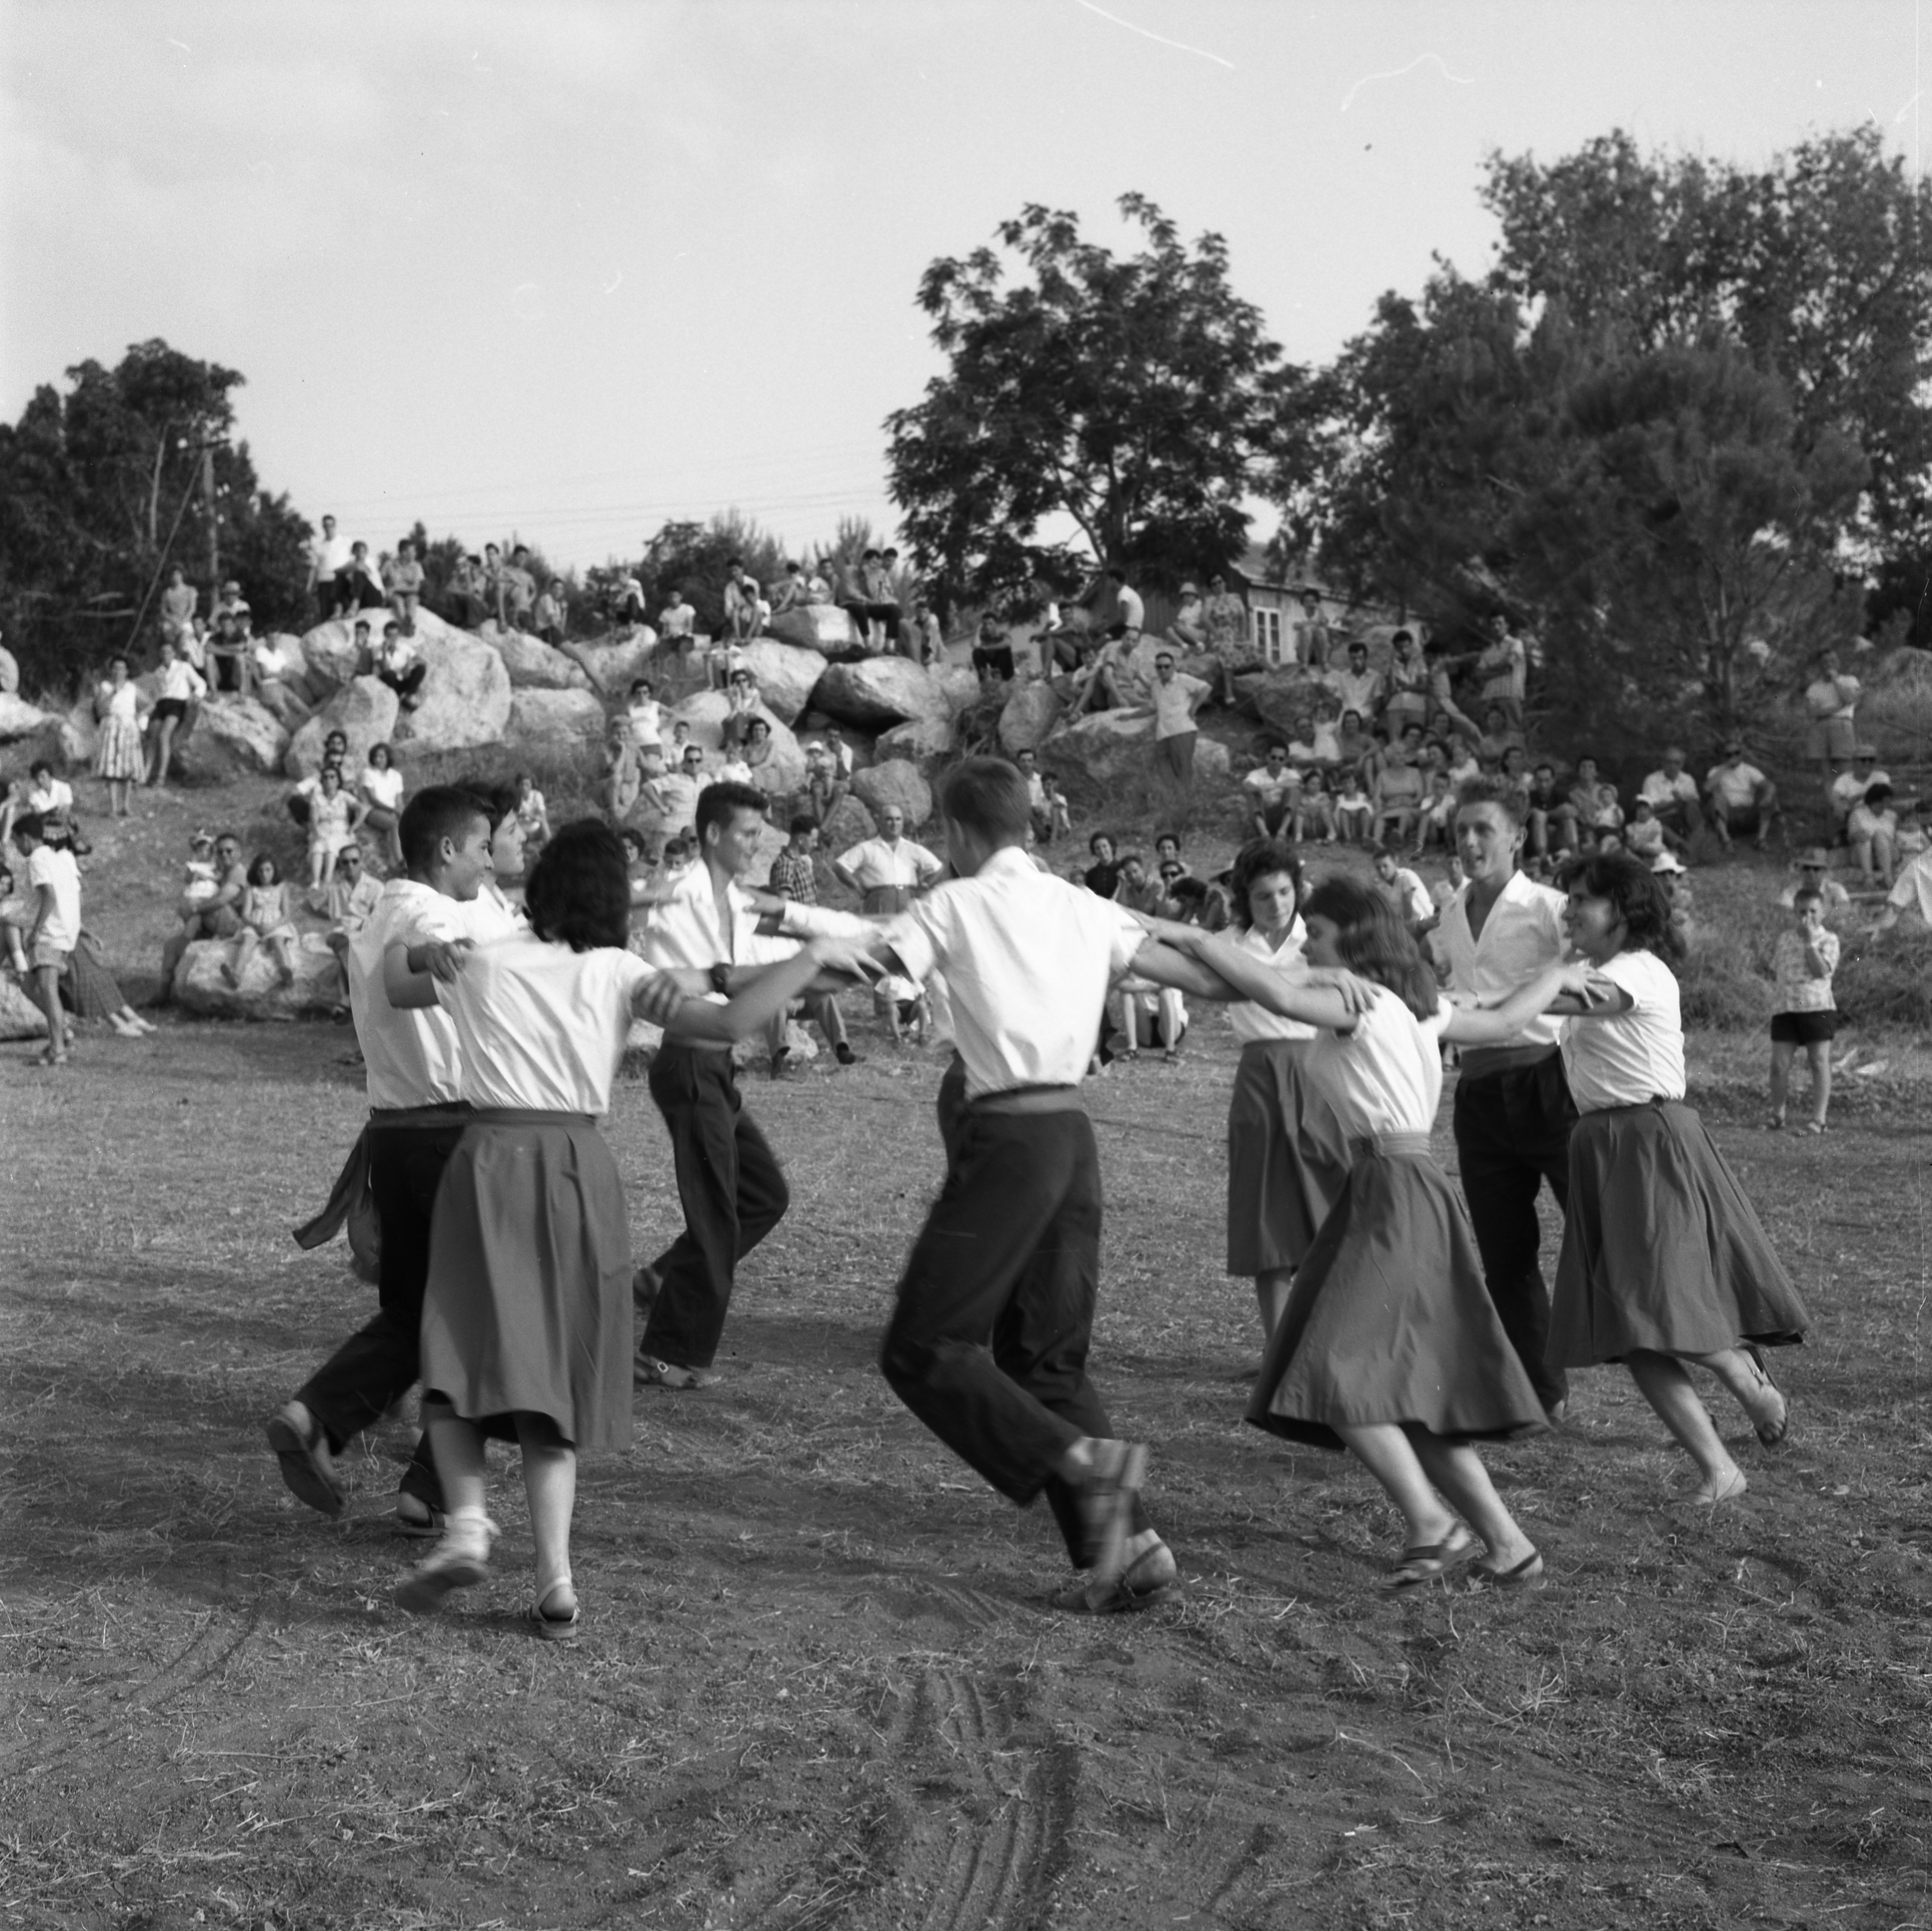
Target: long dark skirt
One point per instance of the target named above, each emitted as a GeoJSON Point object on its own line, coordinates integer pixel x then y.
{"type": "Point", "coordinates": [528, 1308]}
{"type": "Point", "coordinates": [1288, 1158]}
{"type": "Point", "coordinates": [1662, 1250]}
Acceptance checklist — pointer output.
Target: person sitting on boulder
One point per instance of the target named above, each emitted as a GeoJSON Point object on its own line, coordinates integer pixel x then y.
{"type": "Point", "coordinates": [1271, 787]}
{"type": "Point", "coordinates": [206, 914]}
{"type": "Point", "coordinates": [353, 895]}
{"type": "Point", "coordinates": [334, 817]}
{"type": "Point", "coordinates": [763, 769]}
{"type": "Point", "coordinates": [674, 797]}
{"type": "Point", "coordinates": [789, 594]}
{"type": "Point", "coordinates": [360, 585]}
{"type": "Point", "coordinates": [993, 653]}
{"type": "Point", "coordinates": [467, 600]}
{"type": "Point", "coordinates": [380, 788]}
{"type": "Point", "coordinates": [824, 789]}
{"type": "Point", "coordinates": [533, 813]}
{"type": "Point", "coordinates": [405, 583]}
{"type": "Point", "coordinates": [677, 623]}
{"type": "Point", "coordinates": [266, 919]}
{"type": "Point", "coordinates": [549, 617]}
{"type": "Point", "coordinates": [334, 750]}
{"type": "Point", "coordinates": [181, 685]}
{"type": "Point", "coordinates": [742, 597]}
{"type": "Point", "coordinates": [399, 665]}
{"type": "Point", "coordinates": [517, 588]}
{"type": "Point", "coordinates": [742, 701]}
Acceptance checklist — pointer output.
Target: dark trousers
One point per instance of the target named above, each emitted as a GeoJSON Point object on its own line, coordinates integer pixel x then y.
{"type": "Point", "coordinates": [988, 1341]}
{"type": "Point", "coordinates": [378, 1365]}
{"type": "Point", "coordinates": [405, 683]}
{"type": "Point", "coordinates": [733, 1194]}
{"type": "Point", "coordinates": [1512, 1133]}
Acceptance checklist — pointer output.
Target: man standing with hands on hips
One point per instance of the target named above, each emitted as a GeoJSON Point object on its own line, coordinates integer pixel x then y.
{"type": "Point", "coordinates": [1513, 1111]}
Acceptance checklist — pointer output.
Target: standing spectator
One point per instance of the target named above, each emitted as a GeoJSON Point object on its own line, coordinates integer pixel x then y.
{"type": "Point", "coordinates": [329, 557]}
{"type": "Point", "coordinates": [1225, 617]}
{"type": "Point", "coordinates": [742, 597]}
{"type": "Point", "coordinates": [549, 619]}
{"type": "Point", "coordinates": [517, 588]}
{"type": "Point", "coordinates": [118, 758]}
{"type": "Point", "coordinates": [467, 596]}
{"type": "Point", "coordinates": [1502, 670]}
{"type": "Point", "coordinates": [1673, 794]}
{"type": "Point", "coordinates": [1314, 641]}
{"type": "Point", "coordinates": [1175, 699]}
{"type": "Point", "coordinates": [886, 871]}
{"type": "Point", "coordinates": [53, 887]}
{"type": "Point", "coordinates": [1742, 799]}
{"type": "Point", "coordinates": [1272, 787]}
{"type": "Point", "coordinates": [380, 789]}
{"type": "Point", "coordinates": [1805, 1013]}
{"type": "Point", "coordinates": [493, 584]}
{"type": "Point", "coordinates": [644, 718]}
{"type": "Point", "coordinates": [677, 623]}
{"type": "Point", "coordinates": [1552, 814]}
{"type": "Point", "coordinates": [793, 874]}
{"type": "Point", "coordinates": [399, 665]}
{"type": "Point", "coordinates": [927, 638]}
{"type": "Point", "coordinates": [181, 685]}
{"type": "Point", "coordinates": [882, 587]}
{"type": "Point", "coordinates": [334, 819]}
{"type": "Point", "coordinates": [179, 602]}
{"type": "Point", "coordinates": [1831, 702]}
{"type": "Point", "coordinates": [405, 583]}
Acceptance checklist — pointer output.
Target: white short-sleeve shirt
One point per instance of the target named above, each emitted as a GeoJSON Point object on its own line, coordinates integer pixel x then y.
{"type": "Point", "coordinates": [876, 863]}
{"type": "Point", "coordinates": [1629, 1057]}
{"type": "Point", "coordinates": [1027, 959]}
{"type": "Point", "coordinates": [540, 1026]}
{"type": "Point", "coordinates": [1522, 936]}
{"type": "Point", "coordinates": [1386, 1076]}
{"type": "Point", "coordinates": [383, 788]}
{"type": "Point", "coordinates": [1248, 1021]}
{"type": "Point", "coordinates": [55, 868]}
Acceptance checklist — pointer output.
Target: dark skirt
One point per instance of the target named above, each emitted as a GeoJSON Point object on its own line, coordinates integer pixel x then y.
{"type": "Point", "coordinates": [1661, 1249]}
{"type": "Point", "coordinates": [1288, 1158]}
{"type": "Point", "coordinates": [90, 987]}
{"type": "Point", "coordinates": [1389, 1320]}
{"type": "Point", "coordinates": [528, 1307]}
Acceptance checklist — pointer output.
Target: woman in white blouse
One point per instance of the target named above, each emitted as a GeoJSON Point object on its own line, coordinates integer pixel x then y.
{"type": "Point", "coordinates": [527, 1315]}
{"type": "Point", "coordinates": [380, 787]}
{"type": "Point", "coordinates": [181, 685]}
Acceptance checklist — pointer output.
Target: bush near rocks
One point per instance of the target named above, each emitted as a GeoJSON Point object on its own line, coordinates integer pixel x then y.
{"type": "Point", "coordinates": [200, 987]}
{"type": "Point", "coordinates": [895, 782]}
{"type": "Point", "coordinates": [364, 712]}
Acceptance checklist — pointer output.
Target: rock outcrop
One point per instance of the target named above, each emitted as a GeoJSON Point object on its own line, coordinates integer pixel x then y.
{"type": "Point", "coordinates": [534, 665]}
{"type": "Point", "coordinates": [20, 719]}
{"type": "Point", "coordinates": [923, 741]}
{"type": "Point", "coordinates": [1102, 747]}
{"type": "Point", "coordinates": [876, 692]}
{"type": "Point", "coordinates": [1031, 711]}
{"type": "Point", "coordinates": [465, 700]}
{"type": "Point", "coordinates": [365, 710]}
{"type": "Point", "coordinates": [822, 627]}
{"type": "Point", "coordinates": [786, 676]}
{"type": "Point", "coordinates": [235, 733]}
{"type": "Point", "coordinates": [613, 668]}
{"type": "Point", "coordinates": [555, 721]}
{"type": "Point", "coordinates": [848, 823]}
{"type": "Point", "coordinates": [897, 782]}
{"type": "Point", "coordinates": [200, 988]}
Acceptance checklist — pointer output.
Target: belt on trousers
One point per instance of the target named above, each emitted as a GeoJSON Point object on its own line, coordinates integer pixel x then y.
{"type": "Point", "coordinates": [440, 1113]}
{"type": "Point", "coordinates": [1481, 1062]}
{"type": "Point", "coordinates": [1656, 1100]}
{"type": "Point", "coordinates": [1390, 1146]}
{"type": "Point", "coordinates": [1030, 1100]}
{"type": "Point", "coordinates": [528, 1117]}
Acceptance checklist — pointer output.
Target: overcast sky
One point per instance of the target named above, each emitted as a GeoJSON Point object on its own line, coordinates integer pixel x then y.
{"type": "Point", "coordinates": [573, 267]}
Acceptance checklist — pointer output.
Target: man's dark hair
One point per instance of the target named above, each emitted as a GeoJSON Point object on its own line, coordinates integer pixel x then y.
{"type": "Point", "coordinates": [804, 821]}
{"type": "Point", "coordinates": [1400, 634]}
{"type": "Point", "coordinates": [39, 765]}
{"type": "Point", "coordinates": [437, 813]}
{"type": "Point", "coordinates": [1382, 849]}
{"type": "Point", "coordinates": [1273, 744]}
{"type": "Point", "coordinates": [30, 825]}
{"type": "Point", "coordinates": [1806, 895]}
{"type": "Point", "coordinates": [1259, 858]}
{"type": "Point", "coordinates": [988, 796]}
{"type": "Point", "coordinates": [495, 801]}
{"type": "Point", "coordinates": [578, 893]}
{"type": "Point", "coordinates": [1507, 798]}
{"type": "Point", "coordinates": [869, 554]}
{"type": "Point", "coordinates": [1874, 793]}
{"type": "Point", "coordinates": [719, 803]}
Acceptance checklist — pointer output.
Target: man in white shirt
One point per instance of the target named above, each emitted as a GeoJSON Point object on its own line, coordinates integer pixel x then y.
{"type": "Point", "coordinates": [1513, 1111]}
{"type": "Point", "coordinates": [1742, 799]}
{"type": "Point", "coordinates": [1129, 608]}
{"type": "Point", "coordinates": [729, 1182]}
{"type": "Point", "coordinates": [53, 882]}
{"type": "Point", "coordinates": [673, 794]}
{"type": "Point", "coordinates": [886, 870]}
{"type": "Point", "coordinates": [1673, 796]}
{"type": "Point", "coordinates": [1405, 893]}
{"type": "Point", "coordinates": [399, 665]}
{"type": "Point", "coordinates": [1358, 688]}
{"type": "Point", "coordinates": [1010, 1251]}
{"type": "Point", "coordinates": [413, 1067]}
{"type": "Point", "coordinates": [1314, 641]}
{"type": "Point", "coordinates": [1271, 789]}
{"type": "Point", "coordinates": [328, 561]}
{"type": "Point", "coordinates": [1175, 699]}
{"type": "Point", "coordinates": [676, 622]}
{"type": "Point", "coordinates": [1503, 671]}
{"type": "Point", "coordinates": [1847, 790]}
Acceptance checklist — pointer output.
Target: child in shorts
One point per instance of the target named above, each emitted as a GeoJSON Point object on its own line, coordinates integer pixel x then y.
{"type": "Point", "coordinates": [901, 1003]}
{"type": "Point", "coordinates": [1806, 1013]}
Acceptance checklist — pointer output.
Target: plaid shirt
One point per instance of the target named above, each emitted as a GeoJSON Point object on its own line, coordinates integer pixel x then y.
{"type": "Point", "coordinates": [792, 875]}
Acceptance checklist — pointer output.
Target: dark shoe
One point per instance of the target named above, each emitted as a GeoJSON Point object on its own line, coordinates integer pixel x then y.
{"type": "Point", "coordinates": [845, 1056]}
{"type": "Point", "coordinates": [651, 1373]}
{"type": "Point", "coordinates": [1774, 1432]}
{"type": "Point", "coordinates": [1557, 1413]}
{"type": "Point", "coordinates": [1145, 1581]}
{"type": "Point", "coordinates": [646, 1284]}
{"type": "Point", "coordinates": [550, 1626]}
{"type": "Point", "coordinates": [307, 1468]}
{"type": "Point", "coordinates": [1528, 1574]}
{"type": "Point", "coordinates": [414, 1517]}
{"type": "Point", "coordinates": [1425, 1562]}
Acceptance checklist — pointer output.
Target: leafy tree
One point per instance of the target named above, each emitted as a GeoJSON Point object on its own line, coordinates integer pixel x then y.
{"type": "Point", "coordinates": [697, 557]}
{"type": "Point", "coordinates": [99, 491]}
{"type": "Point", "coordinates": [1138, 398]}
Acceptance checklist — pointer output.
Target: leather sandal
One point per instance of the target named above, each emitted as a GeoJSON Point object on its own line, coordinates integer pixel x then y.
{"type": "Point", "coordinates": [1424, 1562]}
{"type": "Point", "coordinates": [549, 1624]}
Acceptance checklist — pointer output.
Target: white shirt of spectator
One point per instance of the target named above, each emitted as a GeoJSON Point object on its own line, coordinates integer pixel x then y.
{"type": "Point", "coordinates": [1522, 936]}
{"type": "Point", "coordinates": [1129, 608]}
{"type": "Point", "coordinates": [1849, 789]}
{"type": "Point", "coordinates": [1248, 1021]}
{"type": "Point", "coordinates": [1386, 1076]}
{"type": "Point", "coordinates": [55, 869]}
{"type": "Point", "coordinates": [1798, 991]}
{"type": "Point", "coordinates": [1637, 1056]}
{"type": "Point", "coordinates": [56, 795]}
{"type": "Point", "coordinates": [677, 792]}
{"type": "Point", "coordinates": [645, 716]}
{"type": "Point", "coordinates": [383, 788]}
{"type": "Point", "coordinates": [411, 1059]}
{"type": "Point", "coordinates": [1734, 785]}
{"type": "Point", "coordinates": [875, 863]}
{"type": "Point", "coordinates": [1662, 789]}
{"type": "Point", "coordinates": [540, 1026]}
{"type": "Point", "coordinates": [1028, 959]}
{"type": "Point", "coordinates": [330, 554]}
{"type": "Point", "coordinates": [351, 907]}
{"type": "Point", "coordinates": [180, 679]}
{"type": "Point", "coordinates": [1359, 691]}
{"type": "Point", "coordinates": [1269, 787]}
{"type": "Point", "coordinates": [1407, 891]}
{"type": "Point", "coordinates": [685, 930]}
{"type": "Point", "coordinates": [1173, 709]}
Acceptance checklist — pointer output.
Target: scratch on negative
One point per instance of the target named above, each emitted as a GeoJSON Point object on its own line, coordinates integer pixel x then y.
{"type": "Point", "coordinates": [1460, 79]}
{"type": "Point", "coordinates": [1179, 46]}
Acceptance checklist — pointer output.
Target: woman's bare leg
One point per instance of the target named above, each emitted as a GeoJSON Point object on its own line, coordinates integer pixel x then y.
{"type": "Point", "coordinates": [1665, 1383]}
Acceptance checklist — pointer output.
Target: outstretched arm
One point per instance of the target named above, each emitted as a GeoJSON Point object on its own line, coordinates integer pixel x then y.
{"type": "Point", "coordinates": [763, 1000]}
{"type": "Point", "coordinates": [1570, 989]}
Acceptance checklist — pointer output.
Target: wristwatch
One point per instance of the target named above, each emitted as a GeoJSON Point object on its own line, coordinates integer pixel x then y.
{"type": "Point", "coordinates": [720, 974]}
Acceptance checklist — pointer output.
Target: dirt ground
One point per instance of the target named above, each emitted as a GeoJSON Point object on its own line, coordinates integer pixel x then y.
{"type": "Point", "coordinates": [819, 1684]}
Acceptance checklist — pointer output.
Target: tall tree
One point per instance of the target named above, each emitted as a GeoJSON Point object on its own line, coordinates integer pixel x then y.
{"type": "Point", "coordinates": [1133, 401]}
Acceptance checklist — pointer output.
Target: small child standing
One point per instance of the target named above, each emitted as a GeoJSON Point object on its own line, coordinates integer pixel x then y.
{"type": "Point", "coordinates": [1314, 813]}
{"type": "Point", "coordinates": [265, 921]}
{"type": "Point", "coordinates": [1805, 1013]}
{"type": "Point", "coordinates": [198, 881]}
{"type": "Point", "coordinates": [1353, 813]}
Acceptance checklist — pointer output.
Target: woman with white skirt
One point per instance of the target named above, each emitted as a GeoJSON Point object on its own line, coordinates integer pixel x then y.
{"type": "Point", "coordinates": [527, 1317]}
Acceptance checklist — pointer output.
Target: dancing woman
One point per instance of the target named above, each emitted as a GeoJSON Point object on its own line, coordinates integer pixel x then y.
{"type": "Point", "coordinates": [526, 1319]}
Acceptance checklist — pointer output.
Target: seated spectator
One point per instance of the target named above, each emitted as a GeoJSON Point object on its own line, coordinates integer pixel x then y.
{"type": "Point", "coordinates": [824, 789]}
{"type": "Point", "coordinates": [228, 656]}
{"type": "Point", "coordinates": [380, 790]}
{"type": "Point", "coordinates": [1149, 1016]}
{"type": "Point", "coordinates": [266, 919]}
{"type": "Point", "coordinates": [1741, 799]}
{"type": "Point", "coordinates": [1402, 891]}
{"type": "Point", "coordinates": [48, 797]}
{"type": "Point", "coordinates": [1314, 641]}
{"type": "Point", "coordinates": [207, 915]}
{"type": "Point", "coordinates": [1357, 688]}
{"type": "Point", "coordinates": [993, 653]}
{"type": "Point", "coordinates": [1139, 891]}
{"type": "Point", "coordinates": [901, 1004]}
{"type": "Point", "coordinates": [838, 751]}
{"type": "Point", "coordinates": [334, 817]}
{"type": "Point", "coordinates": [1188, 630]}
{"type": "Point", "coordinates": [1646, 835]}
{"type": "Point", "coordinates": [469, 602]}
{"type": "Point", "coordinates": [629, 612]}
{"type": "Point", "coordinates": [1813, 866]}
{"type": "Point", "coordinates": [1271, 789]}
{"type": "Point", "coordinates": [1167, 852]}
{"type": "Point", "coordinates": [517, 588]}
{"type": "Point", "coordinates": [334, 750]}
{"type": "Point", "coordinates": [1103, 876]}
{"type": "Point", "coordinates": [1872, 832]}
{"type": "Point", "coordinates": [1597, 811]}
{"type": "Point", "coordinates": [1497, 739]}
{"type": "Point", "coordinates": [1354, 813]}
{"type": "Point", "coordinates": [281, 681]}
{"type": "Point", "coordinates": [1673, 793]}
{"type": "Point", "coordinates": [399, 665]}
{"type": "Point", "coordinates": [887, 870]}
{"type": "Point", "coordinates": [1551, 819]}
{"type": "Point", "coordinates": [1435, 819]}
{"type": "Point", "coordinates": [353, 896]}
{"type": "Point", "coordinates": [925, 641]}
{"type": "Point", "coordinates": [1848, 787]}
{"type": "Point", "coordinates": [1203, 902]}
{"type": "Point", "coordinates": [817, 588]}
{"type": "Point", "coordinates": [741, 694]}
{"type": "Point", "coordinates": [1398, 796]}
{"type": "Point", "coordinates": [360, 586]}
{"type": "Point", "coordinates": [1406, 684]}
{"type": "Point", "coordinates": [674, 796]}
{"type": "Point", "coordinates": [548, 617]}
{"type": "Point", "coordinates": [742, 598]}
{"type": "Point", "coordinates": [1314, 817]}
{"type": "Point", "coordinates": [1354, 746]}
{"type": "Point", "coordinates": [1107, 683]}
{"type": "Point", "coordinates": [677, 623]}
{"type": "Point", "coordinates": [789, 594]}
{"type": "Point", "coordinates": [1313, 741]}
{"type": "Point", "coordinates": [406, 585]}
{"type": "Point", "coordinates": [644, 717]}
{"type": "Point", "coordinates": [533, 813]}
{"type": "Point", "coordinates": [1044, 800]}
{"type": "Point", "coordinates": [763, 769]}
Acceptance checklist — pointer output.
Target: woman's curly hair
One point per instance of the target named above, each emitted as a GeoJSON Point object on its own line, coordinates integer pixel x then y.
{"type": "Point", "coordinates": [1259, 858]}
{"type": "Point", "coordinates": [578, 893]}
{"type": "Point", "coordinates": [1631, 888]}
{"type": "Point", "coordinates": [1373, 941]}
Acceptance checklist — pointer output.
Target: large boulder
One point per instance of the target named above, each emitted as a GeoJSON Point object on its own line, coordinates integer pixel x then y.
{"type": "Point", "coordinates": [364, 711]}
{"type": "Point", "coordinates": [848, 823]}
{"type": "Point", "coordinates": [1281, 697]}
{"type": "Point", "coordinates": [238, 730]}
{"type": "Point", "coordinates": [923, 741]}
{"type": "Point", "coordinates": [554, 720]}
{"type": "Point", "coordinates": [1102, 747]}
{"type": "Point", "coordinates": [877, 692]}
{"type": "Point", "coordinates": [957, 684]}
{"type": "Point", "coordinates": [1212, 758]}
{"type": "Point", "coordinates": [20, 719]}
{"type": "Point", "coordinates": [614, 666]}
{"type": "Point", "coordinates": [786, 675]}
{"type": "Point", "coordinates": [534, 665]}
{"type": "Point", "coordinates": [465, 700]}
{"type": "Point", "coordinates": [20, 1018]}
{"type": "Point", "coordinates": [895, 782]}
{"type": "Point", "coordinates": [200, 987]}
{"type": "Point", "coordinates": [329, 651]}
{"type": "Point", "coordinates": [1031, 711]}
{"type": "Point", "coordinates": [822, 627]}
{"type": "Point", "coordinates": [705, 711]}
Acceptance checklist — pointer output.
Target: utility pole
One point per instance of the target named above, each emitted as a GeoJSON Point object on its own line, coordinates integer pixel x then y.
{"type": "Point", "coordinates": [214, 527]}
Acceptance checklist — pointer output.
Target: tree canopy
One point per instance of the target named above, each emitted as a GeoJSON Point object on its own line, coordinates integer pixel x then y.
{"type": "Point", "coordinates": [99, 491]}
{"type": "Point", "coordinates": [1137, 398]}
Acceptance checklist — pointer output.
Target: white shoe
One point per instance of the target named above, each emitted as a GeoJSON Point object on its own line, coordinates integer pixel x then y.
{"type": "Point", "coordinates": [459, 1561]}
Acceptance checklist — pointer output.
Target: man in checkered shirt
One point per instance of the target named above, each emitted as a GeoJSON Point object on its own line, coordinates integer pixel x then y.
{"type": "Point", "coordinates": [792, 876]}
